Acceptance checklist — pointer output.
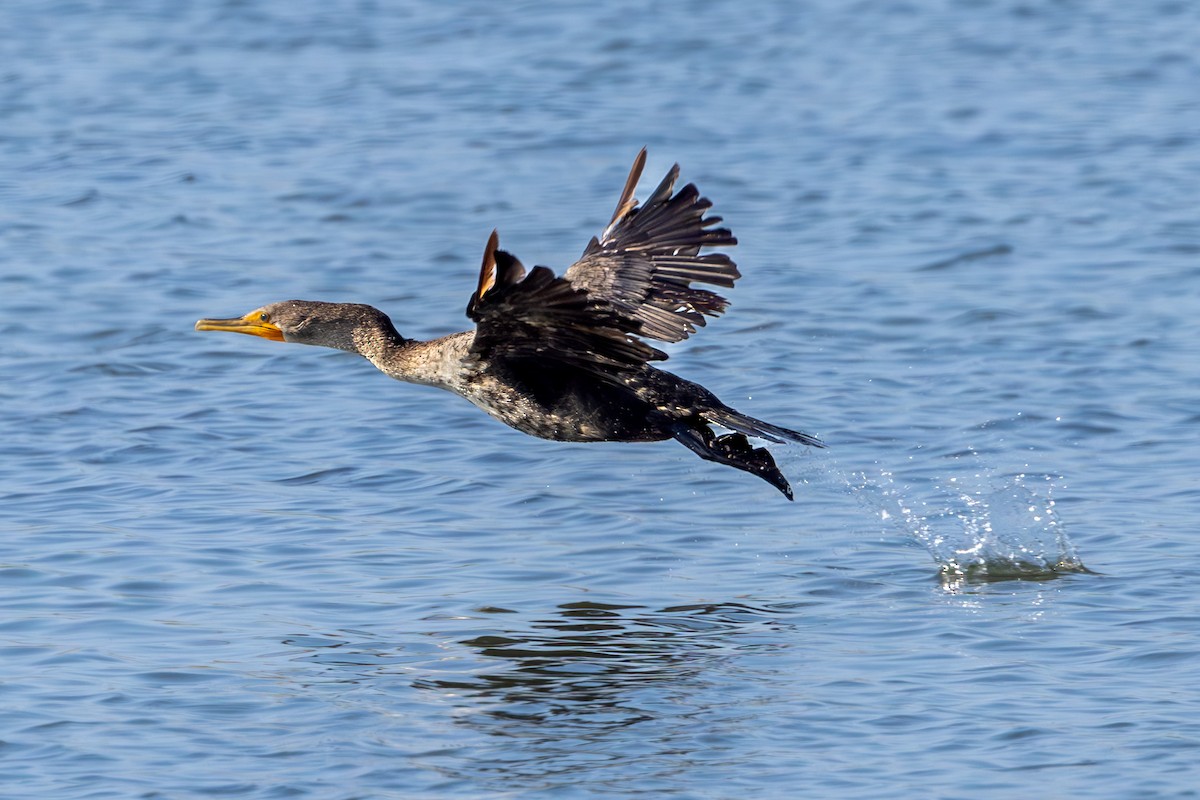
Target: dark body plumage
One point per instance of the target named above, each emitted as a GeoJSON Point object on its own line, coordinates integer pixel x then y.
{"type": "Point", "coordinates": [564, 358]}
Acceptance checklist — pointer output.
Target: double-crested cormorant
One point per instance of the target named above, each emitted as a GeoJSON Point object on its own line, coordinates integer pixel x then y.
{"type": "Point", "coordinates": [563, 358]}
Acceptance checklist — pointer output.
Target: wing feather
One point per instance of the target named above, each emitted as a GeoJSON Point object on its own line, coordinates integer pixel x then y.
{"type": "Point", "coordinates": [634, 280]}
{"type": "Point", "coordinates": [546, 317]}
{"type": "Point", "coordinates": [645, 262]}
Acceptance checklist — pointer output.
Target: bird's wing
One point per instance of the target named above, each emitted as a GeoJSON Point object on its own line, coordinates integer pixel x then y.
{"type": "Point", "coordinates": [645, 262]}
{"type": "Point", "coordinates": [546, 317]}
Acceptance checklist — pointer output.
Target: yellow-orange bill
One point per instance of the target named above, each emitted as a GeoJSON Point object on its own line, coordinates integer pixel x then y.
{"type": "Point", "coordinates": [252, 324]}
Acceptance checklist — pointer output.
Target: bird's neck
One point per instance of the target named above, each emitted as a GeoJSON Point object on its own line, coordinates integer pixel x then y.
{"type": "Point", "coordinates": [439, 362]}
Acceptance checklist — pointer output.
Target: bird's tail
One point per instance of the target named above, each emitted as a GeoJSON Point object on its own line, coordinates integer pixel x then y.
{"type": "Point", "coordinates": [736, 421]}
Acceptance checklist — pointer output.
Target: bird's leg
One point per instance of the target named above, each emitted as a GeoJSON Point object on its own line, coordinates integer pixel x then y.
{"type": "Point", "coordinates": [732, 450]}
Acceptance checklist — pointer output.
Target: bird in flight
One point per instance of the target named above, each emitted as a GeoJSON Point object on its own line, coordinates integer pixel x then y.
{"type": "Point", "coordinates": [566, 357]}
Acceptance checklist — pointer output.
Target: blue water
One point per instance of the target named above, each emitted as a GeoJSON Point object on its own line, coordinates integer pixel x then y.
{"type": "Point", "coordinates": [970, 240]}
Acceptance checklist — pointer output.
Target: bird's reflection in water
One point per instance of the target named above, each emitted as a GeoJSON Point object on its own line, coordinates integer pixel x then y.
{"type": "Point", "coordinates": [624, 695]}
{"type": "Point", "coordinates": [595, 667]}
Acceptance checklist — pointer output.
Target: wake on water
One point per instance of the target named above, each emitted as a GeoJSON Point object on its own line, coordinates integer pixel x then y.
{"type": "Point", "coordinates": [976, 524]}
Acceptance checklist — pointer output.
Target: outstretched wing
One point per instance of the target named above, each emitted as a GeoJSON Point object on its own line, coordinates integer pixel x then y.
{"type": "Point", "coordinates": [542, 316]}
{"type": "Point", "coordinates": [644, 263]}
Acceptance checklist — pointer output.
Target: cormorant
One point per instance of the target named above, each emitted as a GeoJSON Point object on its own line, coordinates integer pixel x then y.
{"type": "Point", "coordinates": [564, 358]}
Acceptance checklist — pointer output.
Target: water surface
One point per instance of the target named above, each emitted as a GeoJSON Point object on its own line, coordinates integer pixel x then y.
{"type": "Point", "coordinates": [235, 568]}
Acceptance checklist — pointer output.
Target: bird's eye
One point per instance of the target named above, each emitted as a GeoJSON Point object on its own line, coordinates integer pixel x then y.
{"type": "Point", "coordinates": [264, 317]}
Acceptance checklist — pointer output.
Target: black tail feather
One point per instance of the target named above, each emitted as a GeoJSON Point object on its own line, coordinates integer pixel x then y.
{"type": "Point", "coordinates": [735, 421]}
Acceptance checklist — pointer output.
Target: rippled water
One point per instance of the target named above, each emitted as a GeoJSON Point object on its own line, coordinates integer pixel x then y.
{"type": "Point", "coordinates": [969, 237]}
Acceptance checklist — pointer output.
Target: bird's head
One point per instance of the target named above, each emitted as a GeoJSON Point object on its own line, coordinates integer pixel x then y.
{"type": "Point", "coordinates": [343, 326]}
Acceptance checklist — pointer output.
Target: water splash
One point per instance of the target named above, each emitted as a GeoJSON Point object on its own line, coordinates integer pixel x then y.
{"type": "Point", "coordinates": [978, 526]}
